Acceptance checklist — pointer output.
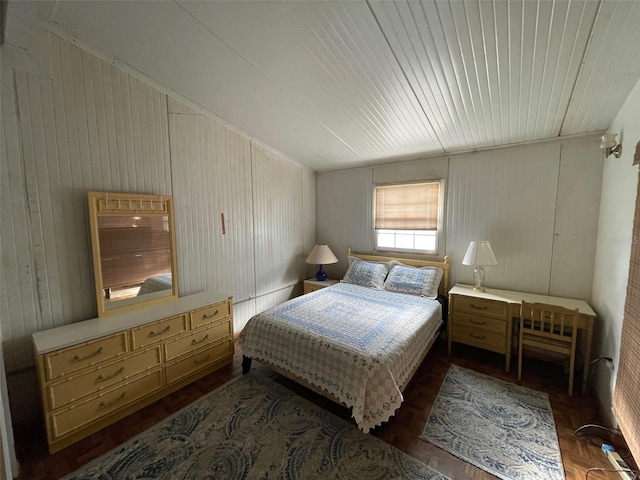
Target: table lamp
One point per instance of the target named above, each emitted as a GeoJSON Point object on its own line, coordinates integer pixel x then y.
{"type": "Point", "coordinates": [321, 255]}
{"type": "Point", "coordinates": [479, 254]}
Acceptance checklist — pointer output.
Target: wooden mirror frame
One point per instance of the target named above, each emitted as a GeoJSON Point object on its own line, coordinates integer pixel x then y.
{"type": "Point", "coordinates": [108, 204]}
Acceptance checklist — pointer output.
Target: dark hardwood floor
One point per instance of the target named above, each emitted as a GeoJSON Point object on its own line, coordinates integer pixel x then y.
{"type": "Point", "coordinates": [402, 431]}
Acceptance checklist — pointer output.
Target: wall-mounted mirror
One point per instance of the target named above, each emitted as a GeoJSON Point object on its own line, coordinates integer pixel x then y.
{"type": "Point", "coordinates": [134, 255]}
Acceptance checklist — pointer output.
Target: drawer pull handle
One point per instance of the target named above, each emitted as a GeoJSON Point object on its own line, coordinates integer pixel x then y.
{"type": "Point", "coordinates": [478, 322]}
{"type": "Point", "coordinates": [80, 357]}
{"type": "Point", "coordinates": [482, 307]}
{"type": "Point", "coordinates": [195, 342]}
{"type": "Point", "coordinates": [195, 360]}
{"type": "Point", "coordinates": [205, 316]}
{"type": "Point", "coordinates": [154, 334]}
{"type": "Point", "coordinates": [113, 402]}
{"type": "Point", "coordinates": [479, 337]}
{"type": "Point", "coordinates": [102, 378]}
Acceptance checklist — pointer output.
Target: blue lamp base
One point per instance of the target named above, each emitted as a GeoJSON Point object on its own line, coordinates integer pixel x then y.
{"type": "Point", "coordinates": [321, 276]}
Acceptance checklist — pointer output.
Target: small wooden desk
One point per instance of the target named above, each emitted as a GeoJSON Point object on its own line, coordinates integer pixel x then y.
{"type": "Point", "coordinates": [485, 319]}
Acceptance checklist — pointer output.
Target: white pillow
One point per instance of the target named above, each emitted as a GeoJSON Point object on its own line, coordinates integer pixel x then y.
{"type": "Point", "coordinates": [423, 281]}
{"type": "Point", "coordinates": [367, 274]}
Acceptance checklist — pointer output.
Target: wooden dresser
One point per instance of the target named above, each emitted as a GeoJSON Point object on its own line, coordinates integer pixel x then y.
{"type": "Point", "coordinates": [95, 372]}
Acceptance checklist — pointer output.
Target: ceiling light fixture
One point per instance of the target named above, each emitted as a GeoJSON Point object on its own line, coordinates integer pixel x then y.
{"type": "Point", "coordinates": [609, 145]}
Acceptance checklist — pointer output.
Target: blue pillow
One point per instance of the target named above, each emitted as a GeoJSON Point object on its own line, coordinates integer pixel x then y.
{"type": "Point", "coordinates": [423, 281]}
{"type": "Point", "coordinates": [367, 274]}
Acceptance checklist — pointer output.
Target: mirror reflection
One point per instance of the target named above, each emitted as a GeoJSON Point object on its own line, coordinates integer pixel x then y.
{"type": "Point", "coordinates": [135, 256]}
{"type": "Point", "coordinates": [133, 250]}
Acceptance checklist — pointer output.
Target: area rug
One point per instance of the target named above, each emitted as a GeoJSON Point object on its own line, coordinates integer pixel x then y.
{"type": "Point", "coordinates": [502, 428]}
{"type": "Point", "coordinates": [254, 428]}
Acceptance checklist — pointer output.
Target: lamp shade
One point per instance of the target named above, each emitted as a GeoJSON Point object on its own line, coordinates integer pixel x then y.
{"type": "Point", "coordinates": [321, 255]}
{"type": "Point", "coordinates": [479, 253]}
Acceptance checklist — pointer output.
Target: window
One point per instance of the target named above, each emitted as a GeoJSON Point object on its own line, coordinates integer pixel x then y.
{"type": "Point", "coordinates": [408, 217]}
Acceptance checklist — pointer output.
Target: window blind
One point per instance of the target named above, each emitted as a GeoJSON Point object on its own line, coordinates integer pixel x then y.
{"type": "Point", "coordinates": [407, 207]}
{"type": "Point", "coordinates": [626, 392]}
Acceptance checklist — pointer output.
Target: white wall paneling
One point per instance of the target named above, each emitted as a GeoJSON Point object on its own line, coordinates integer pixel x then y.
{"type": "Point", "coordinates": [278, 203]}
{"type": "Point", "coordinates": [211, 168]}
{"type": "Point", "coordinates": [535, 203]}
{"type": "Point", "coordinates": [509, 198]}
{"type": "Point", "coordinates": [614, 240]}
{"type": "Point", "coordinates": [344, 212]}
{"type": "Point", "coordinates": [92, 126]}
{"type": "Point", "coordinates": [576, 221]}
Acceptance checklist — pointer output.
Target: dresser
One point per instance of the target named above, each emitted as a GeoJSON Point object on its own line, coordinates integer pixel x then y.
{"type": "Point", "coordinates": [311, 284]}
{"type": "Point", "coordinates": [95, 372]}
{"type": "Point", "coordinates": [485, 319]}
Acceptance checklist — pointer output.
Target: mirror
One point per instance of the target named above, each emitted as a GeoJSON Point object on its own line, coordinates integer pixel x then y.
{"type": "Point", "coordinates": [133, 245]}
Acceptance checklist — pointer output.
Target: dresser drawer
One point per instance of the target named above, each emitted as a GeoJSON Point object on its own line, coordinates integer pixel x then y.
{"type": "Point", "coordinates": [81, 414]}
{"type": "Point", "coordinates": [197, 339]}
{"type": "Point", "coordinates": [81, 385]}
{"type": "Point", "coordinates": [479, 322]}
{"type": "Point", "coordinates": [157, 331]}
{"type": "Point", "coordinates": [201, 359]}
{"type": "Point", "coordinates": [480, 306]}
{"type": "Point", "coordinates": [210, 314]}
{"type": "Point", "coordinates": [65, 361]}
{"type": "Point", "coordinates": [486, 339]}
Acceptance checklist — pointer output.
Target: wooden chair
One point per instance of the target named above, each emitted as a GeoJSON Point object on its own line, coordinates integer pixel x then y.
{"type": "Point", "coordinates": [551, 328]}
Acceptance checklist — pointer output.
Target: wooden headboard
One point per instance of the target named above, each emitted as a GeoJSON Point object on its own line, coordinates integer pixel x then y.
{"type": "Point", "coordinates": [444, 264]}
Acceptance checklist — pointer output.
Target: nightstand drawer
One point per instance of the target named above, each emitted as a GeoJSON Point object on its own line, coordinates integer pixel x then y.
{"type": "Point", "coordinates": [480, 322]}
{"type": "Point", "coordinates": [481, 306]}
{"type": "Point", "coordinates": [479, 338]}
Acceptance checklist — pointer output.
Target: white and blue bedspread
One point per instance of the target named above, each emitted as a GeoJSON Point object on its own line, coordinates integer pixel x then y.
{"type": "Point", "coordinates": [360, 345]}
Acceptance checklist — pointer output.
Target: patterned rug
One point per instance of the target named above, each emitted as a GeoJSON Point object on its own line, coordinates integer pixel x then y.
{"type": "Point", "coordinates": [497, 426]}
{"type": "Point", "coordinates": [254, 428]}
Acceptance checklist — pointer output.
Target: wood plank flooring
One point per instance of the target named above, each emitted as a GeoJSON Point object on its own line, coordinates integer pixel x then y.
{"type": "Point", "coordinates": [402, 431]}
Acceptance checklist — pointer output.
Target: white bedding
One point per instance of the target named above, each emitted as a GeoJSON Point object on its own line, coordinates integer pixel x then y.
{"type": "Point", "coordinates": [359, 344]}
{"type": "Point", "coordinates": [155, 284]}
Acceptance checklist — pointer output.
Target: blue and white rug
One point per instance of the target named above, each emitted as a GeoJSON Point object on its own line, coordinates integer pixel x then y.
{"type": "Point", "coordinates": [254, 428]}
{"type": "Point", "coordinates": [502, 428]}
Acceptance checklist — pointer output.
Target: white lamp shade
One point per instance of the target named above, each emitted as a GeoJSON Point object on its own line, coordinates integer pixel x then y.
{"type": "Point", "coordinates": [479, 253]}
{"type": "Point", "coordinates": [321, 255]}
{"type": "Point", "coordinates": [608, 140]}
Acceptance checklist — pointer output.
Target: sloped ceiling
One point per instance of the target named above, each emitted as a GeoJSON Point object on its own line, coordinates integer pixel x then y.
{"type": "Point", "coordinates": [336, 84]}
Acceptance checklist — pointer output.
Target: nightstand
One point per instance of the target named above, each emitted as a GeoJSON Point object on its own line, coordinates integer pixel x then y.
{"type": "Point", "coordinates": [311, 284]}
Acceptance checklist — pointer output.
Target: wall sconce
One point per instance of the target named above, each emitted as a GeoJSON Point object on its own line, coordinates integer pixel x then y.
{"type": "Point", "coordinates": [609, 145]}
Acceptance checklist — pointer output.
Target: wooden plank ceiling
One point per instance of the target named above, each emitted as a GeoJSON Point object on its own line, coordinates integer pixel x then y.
{"type": "Point", "coordinates": [336, 84]}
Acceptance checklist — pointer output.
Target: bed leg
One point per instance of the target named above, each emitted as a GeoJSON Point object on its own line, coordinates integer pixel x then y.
{"type": "Point", "coordinates": [246, 364]}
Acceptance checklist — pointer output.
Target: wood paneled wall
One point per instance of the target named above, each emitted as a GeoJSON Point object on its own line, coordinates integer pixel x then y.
{"type": "Point", "coordinates": [92, 126]}
{"type": "Point", "coordinates": [537, 204]}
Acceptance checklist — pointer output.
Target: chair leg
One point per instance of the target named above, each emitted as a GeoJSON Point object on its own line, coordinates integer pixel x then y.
{"type": "Point", "coordinates": [520, 359]}
{"type": "Point", "coordinates": [572, 364]}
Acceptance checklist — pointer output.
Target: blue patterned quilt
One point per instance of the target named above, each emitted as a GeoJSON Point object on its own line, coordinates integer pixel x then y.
{"type": "Point", "coordinates": [359, 344]}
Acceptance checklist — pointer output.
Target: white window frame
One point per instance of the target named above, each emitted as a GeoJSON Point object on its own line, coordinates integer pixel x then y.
{"type": "Point", "coordinates": [439, 251]}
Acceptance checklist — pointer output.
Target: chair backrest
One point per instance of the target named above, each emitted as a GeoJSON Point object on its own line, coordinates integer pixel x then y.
{"type": "Point", "coordinates": [549, 321]}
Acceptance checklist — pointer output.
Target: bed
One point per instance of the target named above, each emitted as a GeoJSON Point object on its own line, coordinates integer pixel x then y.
{"type": "Point", "coordinates": [357, 342]}
{"type": "Point", "coordinates": [156, 283]}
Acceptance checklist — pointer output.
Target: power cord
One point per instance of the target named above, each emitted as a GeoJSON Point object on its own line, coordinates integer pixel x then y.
{"type": "Point", "coordinates": [623, 470]}
{"type": "Point", "coordinates": [622, 451]}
